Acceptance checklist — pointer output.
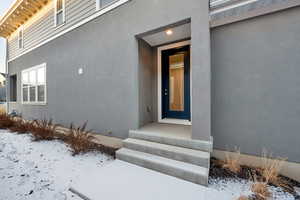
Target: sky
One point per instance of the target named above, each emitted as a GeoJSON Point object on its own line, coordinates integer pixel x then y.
{"type": "Point", "coordinates": [4, 5]}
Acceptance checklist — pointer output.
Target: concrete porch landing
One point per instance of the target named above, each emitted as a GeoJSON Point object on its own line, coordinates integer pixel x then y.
{"type": "Point", "coordinates": [168, 130]}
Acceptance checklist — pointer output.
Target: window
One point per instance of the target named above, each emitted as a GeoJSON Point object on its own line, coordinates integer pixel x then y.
{"type": "Point", "coordinates": [34, 85]}
{"type": "Point", "coordinates": [20, 38]}
{"type": "Point", "coordinates": [59, 12]}
{"type": "Point", "coordinates": [13, 88]}
{"type": "Point", "coordinates": [103, 3]}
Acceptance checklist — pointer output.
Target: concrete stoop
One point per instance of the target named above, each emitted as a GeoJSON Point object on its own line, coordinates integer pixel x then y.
{"type": "Point", "coordinates": [182, 158]}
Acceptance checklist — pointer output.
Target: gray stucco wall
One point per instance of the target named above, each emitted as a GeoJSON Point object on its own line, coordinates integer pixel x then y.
{"type": "Point", "coordinates": [107, 93]}
{"type": "Point", "coordinates": [256, 85]}
{"type": "Point", "coordinates": [147, 77]}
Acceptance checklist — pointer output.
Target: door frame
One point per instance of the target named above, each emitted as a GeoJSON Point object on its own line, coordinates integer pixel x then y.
{"type": "Point", "coordinates": [159, 84]}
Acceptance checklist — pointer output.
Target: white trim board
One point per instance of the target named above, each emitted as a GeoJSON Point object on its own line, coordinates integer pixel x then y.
{"type": "Point", "coordinates": [97, 14]}
{"type": "Point", "coordinates": [159, 110]}
{"type": "Point", "coordinates": [251, 13]}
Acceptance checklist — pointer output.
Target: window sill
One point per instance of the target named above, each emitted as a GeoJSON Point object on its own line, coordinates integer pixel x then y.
{"type": "Point", "coordinates": [59, 26]}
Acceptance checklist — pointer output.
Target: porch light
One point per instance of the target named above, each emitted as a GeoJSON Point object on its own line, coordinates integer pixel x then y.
{"type": "Point", "coordinates": [169, 32]}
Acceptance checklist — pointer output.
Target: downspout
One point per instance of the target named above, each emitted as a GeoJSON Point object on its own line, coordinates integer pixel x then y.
{"type": "Point", "coordinates": [7, 77]}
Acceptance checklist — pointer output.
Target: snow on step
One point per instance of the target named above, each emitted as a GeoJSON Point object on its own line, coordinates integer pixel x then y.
{"type": "Point", "coordinates": [186, 171]}
{"type": "Point", "coordinates": [181, 142]}
{"type": "Point", "coordinates": [192, 156]}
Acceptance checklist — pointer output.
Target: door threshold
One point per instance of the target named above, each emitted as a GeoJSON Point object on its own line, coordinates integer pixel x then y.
{"type": "Point", "coordinates": [175, 121]}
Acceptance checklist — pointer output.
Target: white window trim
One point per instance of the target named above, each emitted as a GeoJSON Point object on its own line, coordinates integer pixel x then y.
{"type": "Point", "coordinates": [55, 13]}
{"type": "Point", "coordinates": [44, 65]}
{"type": "Point", "coordinates": [21, 29]}
{"type": "Point", "coordinates": [98, 6]}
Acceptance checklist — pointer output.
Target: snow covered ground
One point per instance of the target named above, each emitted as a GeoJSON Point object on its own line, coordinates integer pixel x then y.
{"type": "Point", "coordinates": [41, 170]}
{"type": "Point", "coordinates": [46, 170]}
{"type": "Point", "coordinates": [240, 187]}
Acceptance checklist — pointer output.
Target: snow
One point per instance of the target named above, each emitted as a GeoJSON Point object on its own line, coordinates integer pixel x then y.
{"type": "Point", "coordinates": [239, 187]}
{"type": "Point", "coordinates": [123, 181]}
{"type": "Point", "coordinates": [41, 170]}
{"type": "Point", "coordinates": [46, 170]}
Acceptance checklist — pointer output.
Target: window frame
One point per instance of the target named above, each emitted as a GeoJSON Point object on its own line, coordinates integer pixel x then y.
{"type": "Point", "coordinates": [21, 30]}
{"type": "Point", "coordinates": [36, 84]}
{"type": "Point", "coordinates": [63, 10]}
{"type": "Point", "coordinates": [99, 7]}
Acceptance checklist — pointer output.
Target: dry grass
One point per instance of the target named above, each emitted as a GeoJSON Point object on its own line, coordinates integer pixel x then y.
{"type": "Point", "coordinates": [6, 121]}
{"type": "Point", "coordinates": [261, 191]}
{"type": "Point", "coordinates": [21, 126]}
{"type": "Point", "coordinates": [271, 167]}
{"type": "Point", "coordinates": [2, 109]}
{"type": "Point", "coordinates": [43, 130]}
{"type": "Point", "coordinates": [79, 140]}
{"type": "Point", "coordinates": [243, 198]}
{"type": "Point", "coordinates": [232, 161]}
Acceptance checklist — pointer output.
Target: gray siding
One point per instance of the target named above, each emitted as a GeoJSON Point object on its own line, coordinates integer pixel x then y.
{"type": "Point", "coordinates": [256, 85]}
{"type": "Point", "coordinates": [43, 28]}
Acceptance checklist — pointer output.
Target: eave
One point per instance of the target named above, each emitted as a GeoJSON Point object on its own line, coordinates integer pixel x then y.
{"type": "Point", "coordinates": [20, 12]}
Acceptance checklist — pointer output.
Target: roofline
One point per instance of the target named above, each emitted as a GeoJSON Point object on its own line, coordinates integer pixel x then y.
{"type": "Point", "coordinates": [8, 12]}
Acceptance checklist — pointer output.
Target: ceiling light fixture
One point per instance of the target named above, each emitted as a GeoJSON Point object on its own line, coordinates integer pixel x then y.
{"type": "Point", "coordinates": [169, 32]}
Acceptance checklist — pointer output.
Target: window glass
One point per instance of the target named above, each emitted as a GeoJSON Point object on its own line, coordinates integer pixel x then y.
{"type": "Point", "coordinates": [32, 77]}
{"type": "Point", "coordinates": [32, 94]}
{"type": "Point", "coordinates": [20, 39]}
{"type": "Point", "coordinates": [34, 85]}
{"type": "Point", "coordinates": [41, 75]}
{"type": "Point", "coordinates": [106, 2]}
{"type": "Point", "coordinates": [59, 5]}
{"type": "Point", "coordinates": [25, 94]}
{"type": "Point", "coordinates": [41, 93]}
{"type": "Point", "coordinates": [25, 77]}
{"type": "Point", "coordinates": [59, 18]}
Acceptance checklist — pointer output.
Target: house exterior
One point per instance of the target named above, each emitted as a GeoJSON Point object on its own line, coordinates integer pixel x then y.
{"type": "Point", "coordinates": [227, 69]}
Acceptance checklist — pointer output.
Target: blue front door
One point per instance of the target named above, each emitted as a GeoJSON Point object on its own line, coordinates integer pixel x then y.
{"type": "Point", "coordinates": [176, 83]}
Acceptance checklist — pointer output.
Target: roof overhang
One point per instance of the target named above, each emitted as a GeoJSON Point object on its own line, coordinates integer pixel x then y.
{"type": "Point", "coordinates": [18, 14]}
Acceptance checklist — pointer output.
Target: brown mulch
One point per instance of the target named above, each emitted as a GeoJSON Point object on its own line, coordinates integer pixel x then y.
{"type": "Point", "coordinates": [249, 173]}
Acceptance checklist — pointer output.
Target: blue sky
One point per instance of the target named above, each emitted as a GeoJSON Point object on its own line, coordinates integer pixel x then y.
{"type": "Point", "coordinates": [4, 5]}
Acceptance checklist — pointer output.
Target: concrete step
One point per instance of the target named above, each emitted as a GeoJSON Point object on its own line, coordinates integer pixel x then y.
{"type": "Point", "coordinates": [186, 171]}
{"type": "Point", "coordinates": [180, 142]}
{"type": "Point", "coordinates": [191, 156]}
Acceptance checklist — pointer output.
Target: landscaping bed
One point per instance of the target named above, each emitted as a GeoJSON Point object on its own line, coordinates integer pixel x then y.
{"type": "Point", "coordinates": [240, 183]}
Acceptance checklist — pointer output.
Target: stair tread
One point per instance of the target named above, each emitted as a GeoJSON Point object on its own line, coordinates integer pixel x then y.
{"type": "Point", "coordinates": [202, 171]}
{"type": "Point", "coordinates": [172, 148]}
{"type": "Point", "coordinates": [175, 141]}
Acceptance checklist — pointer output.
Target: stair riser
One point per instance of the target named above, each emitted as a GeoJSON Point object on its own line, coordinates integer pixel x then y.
{"type": "Point", "coordinates": [172, 171]}
{"type": "Point", "coordinates": [203, 162]}
{"type": "Point", "coordinates": [191, 144]}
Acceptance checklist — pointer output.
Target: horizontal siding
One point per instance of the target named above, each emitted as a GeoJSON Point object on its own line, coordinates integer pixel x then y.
{"type": "Point", "coordinates": [43, 28]}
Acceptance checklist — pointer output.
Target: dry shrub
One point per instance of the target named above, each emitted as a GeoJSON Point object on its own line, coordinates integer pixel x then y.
{"type": "Point", "coordinates": [243, 198]}
{"type": "Point", "coordinates": [261, 191]}
{"type": "Point", "coordinates": [43, 130]}
{"type": "Point", "coordinates": [232, 162]}
{"type": "Point", "coordinates": [271, 167]}
{"type": "Point", "coordinates": [79, 140]}
{"type": "Point", "coordinates": [21, 126]}
{"type": "Point", "coordinates": [6, 121]}
{"type": "Point", "coordinates": [2, 109]}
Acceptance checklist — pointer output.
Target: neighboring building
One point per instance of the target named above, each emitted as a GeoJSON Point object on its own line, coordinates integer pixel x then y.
{"type": "Point", "coordinates": [2, 88]}
{"type": "Point", "coordinates": [226, 68]}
